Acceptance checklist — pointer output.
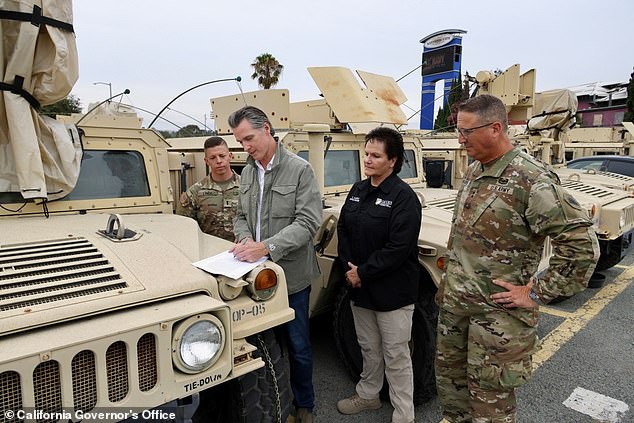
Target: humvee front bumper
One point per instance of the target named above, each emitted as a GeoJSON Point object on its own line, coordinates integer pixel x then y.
{"type": "Point", "coordinates": [119, 360]}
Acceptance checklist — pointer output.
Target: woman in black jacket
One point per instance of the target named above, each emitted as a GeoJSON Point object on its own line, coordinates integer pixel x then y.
{"type": "Point", "coordinates": [378, 232]}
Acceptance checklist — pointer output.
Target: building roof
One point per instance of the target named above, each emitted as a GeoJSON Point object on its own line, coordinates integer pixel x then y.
{"type": "Point", "coordinates": [619, 94]}
{"type": "Point", "coordinates": [600, 89]}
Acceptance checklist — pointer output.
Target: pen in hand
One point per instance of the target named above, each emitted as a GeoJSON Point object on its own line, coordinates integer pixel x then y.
{"type": "Point", "coordinates": [237, 244]}
{"type": "Point", "coordinates": [249, 250]}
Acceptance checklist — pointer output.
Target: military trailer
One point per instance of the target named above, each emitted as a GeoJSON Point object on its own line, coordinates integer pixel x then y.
{"type": "Point", "coordinates": [103, 317]}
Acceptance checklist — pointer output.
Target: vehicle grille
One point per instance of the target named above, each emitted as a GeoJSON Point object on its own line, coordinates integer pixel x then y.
{"type": "Point", "coordinates": [51, 271]}
{"type": "Point", "coordinates": [45, 381]}
{"type": "Point", "coordinates": [616, 176]}
{"type": "Point", "coordinates": [10, 393]}
{"type": "Point", "coordinates": [117, 370]}
{"type": "Point", "coordinates": [84, 380]}
{"type": "Point", "coordinates": [146, 357]}
{"type": "Point", "coordinates": [47, 387]}
{"type": "Point", "coordinates": [445, 203]}
{"type": "Point", "coordinates": [587, 189]}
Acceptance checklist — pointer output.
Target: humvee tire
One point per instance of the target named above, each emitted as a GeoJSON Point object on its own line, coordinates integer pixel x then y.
{"type": "Point", "coordinates": [422, 343]}
{"type": "Point", "coordinates": [259, 396]}
{"type": "Point", "coordinates": [611, 254]}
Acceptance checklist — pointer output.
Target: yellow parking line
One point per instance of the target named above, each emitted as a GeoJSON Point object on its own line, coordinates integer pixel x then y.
{"type": "Point", "coordinates": [555, 312]}
{"type": "Point", "coordinates": [578, 320]}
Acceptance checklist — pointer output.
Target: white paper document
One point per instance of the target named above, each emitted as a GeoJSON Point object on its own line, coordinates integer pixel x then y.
{"type": "Point", "coordinates": [225, 264]}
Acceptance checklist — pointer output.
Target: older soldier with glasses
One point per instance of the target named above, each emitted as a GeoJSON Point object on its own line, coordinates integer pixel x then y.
{"type": "Point", "coordinates": [508, 205]}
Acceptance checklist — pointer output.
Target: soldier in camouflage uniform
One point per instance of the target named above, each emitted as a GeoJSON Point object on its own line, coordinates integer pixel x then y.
{"type": "Point", "coordinates": [508, 205]}
{"type": "Point", "coordinates": [213, 200]}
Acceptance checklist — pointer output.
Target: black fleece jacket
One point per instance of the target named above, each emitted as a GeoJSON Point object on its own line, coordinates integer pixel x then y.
{"type": "Point", "coordinates": [378, 232]}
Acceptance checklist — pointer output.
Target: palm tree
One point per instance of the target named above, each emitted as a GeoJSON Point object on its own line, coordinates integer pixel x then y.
{"type": "Point", "coordinates": [267, 70]}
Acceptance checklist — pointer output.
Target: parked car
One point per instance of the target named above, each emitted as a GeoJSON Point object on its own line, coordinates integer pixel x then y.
{"type": "Point", "coordinates": [615, 164]}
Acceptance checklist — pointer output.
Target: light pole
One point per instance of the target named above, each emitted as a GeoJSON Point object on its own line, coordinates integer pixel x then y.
{"type": "Point", "coordinates": [105, 83]}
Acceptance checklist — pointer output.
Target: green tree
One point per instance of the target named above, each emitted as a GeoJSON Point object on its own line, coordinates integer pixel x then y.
{"type": "Point", "coordinates": [629, 105]}
{"type": "Point", "coordinates": [440, 124]}
{"type": "Point", "coordinates": [187, 131]}
{"type": "Point", "coordinates": [190, 131]}
{"type": "Point", "coordinates": [267, 70]}
{"type": "Point", "coordinates": [167, 133]}
{"type": "Point", "coordinates": [65, 106]}
{"type": "Point", "coordinates": [446, 118]}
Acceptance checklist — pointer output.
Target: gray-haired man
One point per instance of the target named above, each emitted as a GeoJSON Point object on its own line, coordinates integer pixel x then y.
{"type": "Point", "coordinates": [279, 213]}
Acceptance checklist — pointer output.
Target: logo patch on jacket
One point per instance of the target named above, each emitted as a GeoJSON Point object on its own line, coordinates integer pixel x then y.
{"type": "Point", "coordinates": [354, 199]}
{"type": "Point", "coordinates": [383, 203]}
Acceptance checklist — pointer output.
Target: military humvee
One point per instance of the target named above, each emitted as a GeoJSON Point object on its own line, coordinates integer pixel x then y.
{"type": "Point", "coordinates": [101, 309]}
{"type": "Point", "coordinates": [103, 301]}
{"type": "Point", "coordinates": [583, 142]}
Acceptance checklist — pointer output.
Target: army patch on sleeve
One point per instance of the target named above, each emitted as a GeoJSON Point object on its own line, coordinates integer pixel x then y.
{"type": "Point", "coordinates": [572, 201]}
{"type": "Point", "coordinates": [185, 200]}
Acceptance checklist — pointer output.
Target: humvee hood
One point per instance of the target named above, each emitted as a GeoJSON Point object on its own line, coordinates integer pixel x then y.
{"type": "Point", "coordinates": [60, 268]}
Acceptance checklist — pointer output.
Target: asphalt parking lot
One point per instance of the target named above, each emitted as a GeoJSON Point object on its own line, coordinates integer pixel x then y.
{"type": "Point", "coordinates": [583, 373]}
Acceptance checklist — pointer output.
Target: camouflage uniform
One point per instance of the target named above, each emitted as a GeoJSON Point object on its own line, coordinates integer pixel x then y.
{"type": "Point", "coordinates": [504, 214]}
{"type": "Point", "coordinates": [212, 206]}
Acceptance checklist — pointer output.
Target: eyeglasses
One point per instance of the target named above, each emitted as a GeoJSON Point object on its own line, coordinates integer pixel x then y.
{"type": "Point", "coordinates": [465, 132]}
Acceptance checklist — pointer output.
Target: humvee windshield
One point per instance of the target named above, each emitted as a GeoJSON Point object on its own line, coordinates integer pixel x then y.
{"type": "Point", "coordinates": [110, 174]}
{"type": "Point", "coordinates": [341, 167]}
{"type": "Point", "coordinates": [103, 174]}
{"type": "Point", "coordinates": [409, 166]}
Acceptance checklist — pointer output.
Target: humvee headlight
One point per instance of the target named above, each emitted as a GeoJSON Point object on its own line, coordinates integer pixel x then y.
{"type": "Point", "coordinates": [198, 342]}
{"type": "Point", "coordinates": [262, 283]}
{"type": "Point", "coordinates": [622, 220]}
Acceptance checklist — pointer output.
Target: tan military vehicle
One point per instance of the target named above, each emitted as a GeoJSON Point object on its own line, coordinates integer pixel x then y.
{"type": "Point", "coordinates": [106, 310]}
{"type": "Point", "coordinates": [548, 116]}
{"type": "Point", "coordinates": [329, 132]}
{"type": "Point", "coordinates": [101, 309]}
{"type": "Point", "coordinates": [548, 137]}
{"type": "Point", "coordinates": [583, 142]}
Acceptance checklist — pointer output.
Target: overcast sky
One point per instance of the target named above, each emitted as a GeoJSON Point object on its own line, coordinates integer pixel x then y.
{"type": "Point", "coordinates": [160, 48]}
